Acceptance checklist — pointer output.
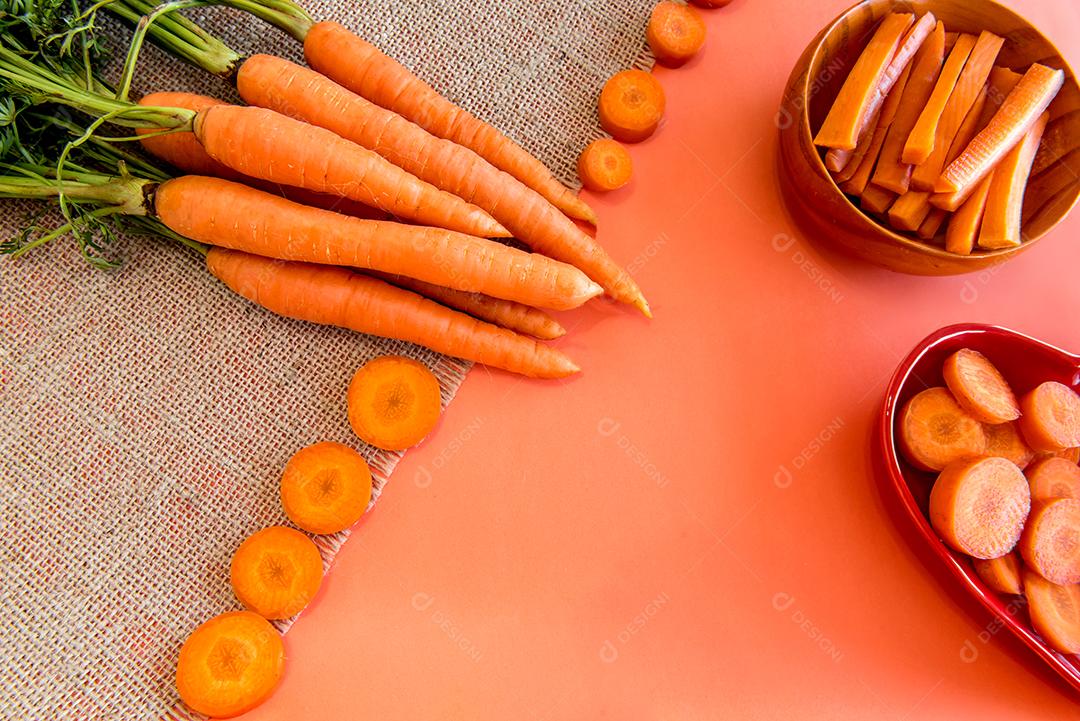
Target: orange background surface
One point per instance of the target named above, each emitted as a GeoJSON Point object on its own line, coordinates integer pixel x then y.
{"type": "Point", "coordinates": [692, 528]}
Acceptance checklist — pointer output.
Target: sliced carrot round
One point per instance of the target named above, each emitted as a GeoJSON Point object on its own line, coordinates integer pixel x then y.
{"type": "Point", "coordinates": [1001, 574]}
{"type": "Point", "coordinates": [1004, 440]}
{"type": "Point", "coordinates": [1054, 611]}
{"type": "Point", "coordinates": [934, 431]}
{"type": "Point", "coordinates": [230, 664]}
{"type": "Point", "coordinates": [1051, 417]}
{"type": "Point", "coordinates": [1070, 454]}
{"type": "Point", "coordinates": [394, 402]}
{"type": "Point", "coordinates": [979, 387]}
{"type": "Point", "coordinates": [604, 165]}
{"type": "Point", "coordinates": [276, 572]}
{"type": "Point", "coordinates": [326, 487]}
{"type": "Point", "coordinates": [675, 32]}
{"type": "Point", "coordinates": [1051, 541]}
{"type": "Point", "coordinates": [978, 506]}
{"type": "Point", "coordinates": [1053, 477]}
{"type": "Point", "coordinates": [631, 105]}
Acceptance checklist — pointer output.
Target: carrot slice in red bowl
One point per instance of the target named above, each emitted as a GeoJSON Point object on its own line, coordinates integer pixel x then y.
{"type": "Point", "coordinates": [1025, 363]}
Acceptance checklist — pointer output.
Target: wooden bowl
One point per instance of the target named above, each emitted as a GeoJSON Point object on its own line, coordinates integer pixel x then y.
{"type": "Point", "coordinates": [822, 210]}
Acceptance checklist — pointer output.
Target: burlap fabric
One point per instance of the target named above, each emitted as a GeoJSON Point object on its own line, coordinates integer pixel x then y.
{"type": "Point", "coordinates": [146, 413]}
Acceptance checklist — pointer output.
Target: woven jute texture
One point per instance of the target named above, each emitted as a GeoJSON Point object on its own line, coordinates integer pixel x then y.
{"type": "Point", "coordinates": [146, 413]}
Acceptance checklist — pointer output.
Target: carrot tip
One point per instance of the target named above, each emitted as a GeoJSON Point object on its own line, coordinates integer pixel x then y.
{"type": "Point", "coordinates": [557, 331]}
{"type": "Point", "coordinates": [643, 305]}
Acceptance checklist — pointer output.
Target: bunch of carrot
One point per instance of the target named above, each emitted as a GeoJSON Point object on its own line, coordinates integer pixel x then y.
{"type": "Point", "coordinates": [1007, 492]}
{"type": "Point", "coordinates": [351, 165]}
{"type": "Point", "coordinates": [928, 133]}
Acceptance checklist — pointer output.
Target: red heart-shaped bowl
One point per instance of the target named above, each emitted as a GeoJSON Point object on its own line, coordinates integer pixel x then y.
{"type": "Point", "coordinates": [1025, 362]}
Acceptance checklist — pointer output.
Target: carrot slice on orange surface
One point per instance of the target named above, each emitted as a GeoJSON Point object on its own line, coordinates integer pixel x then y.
{"type": "Point", "coordinates": [920, 143]}
{"type": "Point", "coordinates": [325, 487]}
{"type": "Point", "coordinates": [891, 172]}
{"type": "Point", "coordinates": [1050, 419]}
{"type": "Point", "coordinates": [605, 165]}
{"type": "Point", "coordinates": [1004, 440]}
{"type": "Point", "coordinates": [631, 105]}
{"type": "Point", "coordinates": [1002, 81]}
{"type": "Point", "coordinates": [230, 664]}
{"type": "Point", "coordinates": [910, 210]}
{"type": "Point", "coordinates": [969, 90]}
{"type": "Point", "coordinates": [964, 225]}
{"type": "Point", "coordinates": [276, 572]}
{"type": "Point", "coordinates": [675, 33]}
{"type": "Point", "coordinates": [1054, 611]}
{"type": "Point", "coordinates": [1050, 544]}
{"type": "Point", "coordinates": [979, 387]}
{"type": "Point", "coordinates": [1001, 574]}
{"type": "Point", "coordinates": [851, 109]}
{"type": "Point", "coordinates": [900, 65]}
{"type": "Point", "coordinates": [1021, 109]}
{"type": "Point", "coordinates": [394, 402]}
{"type": "Point", "coordinates": [930, 227]}
{"type": "Point", "coordinates": [978, 506]}
{"type": "Point", "coordinates": [934, 431]}
{"type": "Point", "coordinates": [1005, 200]}
{"type": "Point", "coordinates": [875, 199]}
{"type": "Point", "coordinates": [1053, 477]}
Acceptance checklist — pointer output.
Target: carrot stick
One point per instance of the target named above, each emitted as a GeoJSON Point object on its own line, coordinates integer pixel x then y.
{"type": "Point", "coordinates": [212, 685]}
{"type": "Point", "coordinates": [910, 210]}
{"type": "Point", "coordinates": [1001, 574]}
{"type": "Point", "coordinates": [251, 141]}
{"type": "Point", "coordinates": [1001, 83]}
{"type": "Point", "coordinates": [1050, 417]}
{"type": "Point", "coordinates": [288, 88]}
{"type": "Point", "coordinates": [900, 65]}
{"type": "Point", "coordinates": [1014, 118]}
{"type": "Point", "coordinates": [1050, 544]}
{"type": "Point", "coordinates": [964, 225]}
{"type": "Point", "coordinates": [1057, 141]}
{"type": "Point", "coordinates": [892, 173]}
{"type": "Point", "coordinates": [325, 487]}
{"type": "Point", "coordinates": [855, 157]}
{"type": "Point", "coordinates": [978, 506]}
{"type": "Point", "coordinates": [851, 109]}
{"type": "Point", "coordinates": [1005, 199]}
{"type": "Point", "coordinates": [394, 402]}
{"type": "Point", "coordinates": [968, 90]}
{"type": "Point", "coordinates": [932, 224]}
{"type": "Point", "coordinates": [183, 151]}
{"type": "Point", "coordinates": [933, 431]}
{"type": "Point", "coordinates": [924, 176]}
{"type": "Point", "coordinates": [1004, 440]}
{"type": "Point", "coordinates": [979, 388]}
{"type": "Point", "coordinates": [503, 313]}
{"type": "Point", "coordinates": [920, 143]}
{"type": "Point", "coordinates": [339, 297]}
{"type": "Point", "coordinates": [276, 572]}
{"type": "Point", "coordinates": [1054, 611]}
{"type": "Point", "coordinates": [339, 54]}
{"type": "Point", "coordinates": [1051, 182]}
{"type": "Point", "coordinates": [231, 215]}
{"type": "Point", "coordinates": [1053, 477]}
{"type": "Point", "coordinates": [863, 166]}
{"type": "Point", "coordinates": [876, 200]}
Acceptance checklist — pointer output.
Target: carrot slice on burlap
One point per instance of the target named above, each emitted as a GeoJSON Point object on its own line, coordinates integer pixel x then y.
{"type": "Point", "coordinates": [920, 143]}
{"type": "Point", "coordinates": [1021, 109]}
{"type": "Point", "coordinates": [1005, 200]}
{"type": "Point", "coordinates": [891, 172]}
{"type": "Point", "coordinates": [851, 108]}
{"type": "Point", "coordinates": [978, 506]}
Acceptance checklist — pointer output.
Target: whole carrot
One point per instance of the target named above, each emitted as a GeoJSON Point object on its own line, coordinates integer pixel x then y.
{"type": "Point", "coordinates": [232, 215]}
{"type": "Point", "coordinates": [184, 152]}
{"type": "Point", "coordinates": [288, 88]}
{"type": "Point", "coordinates": [274, 147]}
{"type": "Point", "coordinates": [341, 55]}
{"type": "Point", "coordinates": [339, 297]}
{"type": "Point", "coordinates": [503, 313]}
